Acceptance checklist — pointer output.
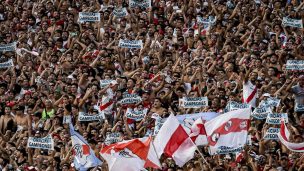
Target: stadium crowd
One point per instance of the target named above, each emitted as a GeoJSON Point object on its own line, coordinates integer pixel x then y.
{"type": "Point", "coordinates": [61, 65]}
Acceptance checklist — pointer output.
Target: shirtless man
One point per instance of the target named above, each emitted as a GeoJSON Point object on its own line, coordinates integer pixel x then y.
{"type": "Point", "coordinates": [157, 107]}
{"type": "Point", "coordinates": [6, 120]}
{"type": "Point", "coordinates": [22, 120]}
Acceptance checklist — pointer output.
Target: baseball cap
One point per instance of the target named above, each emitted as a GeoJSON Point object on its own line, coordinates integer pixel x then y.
{"type": "Point", "coordinates": [266, 95]}
{"type": "Point", "coordinates": [113, 82]}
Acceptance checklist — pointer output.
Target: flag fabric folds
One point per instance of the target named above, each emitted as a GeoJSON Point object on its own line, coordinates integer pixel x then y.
{"type": "Point", "coordinates": [198, 132]}
{"type": "Point", "coordinates": [84, 157]}
{"type": "Point", "coordinates": [173, 141]}
{"type": "Point", "coordinates": [284, 138]}
{"type": "Point", "coordinates": [132, 155]}
{"type": "Point", "coordinates": [227, 133]}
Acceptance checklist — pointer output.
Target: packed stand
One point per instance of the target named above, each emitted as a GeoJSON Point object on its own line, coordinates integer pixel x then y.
{"type": "Point", "coordinates": [64, 66]}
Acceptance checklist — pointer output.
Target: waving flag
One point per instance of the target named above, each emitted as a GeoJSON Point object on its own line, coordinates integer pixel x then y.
{"type": "Point", "coordinates": [173, 141]}
{"type": "Point", "coordinates": [84, 155]}
{"type": "Point", "coordinates": [133, 155]}
{"type": "Point", "coordinates": [198, 132]}
{"type": "Point", "coordinates": [284, 138]}
{"type": "Point", "coordinates": [227, 133]}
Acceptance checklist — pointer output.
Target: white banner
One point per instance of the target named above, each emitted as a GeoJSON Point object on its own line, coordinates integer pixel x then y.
{"type": "Point", "coordinates": [8, 47]}
{"type": "Point", "coordinates": [140, 3]}
{"type": "Point", "coordinates": [120, 12]}
{"type": "Point", "coordinates": [207, 22]}
{"type": "Point", "coordinates": [275, 118]}
{"type": "Point", "coordinates": [130, 99]}
{"type": "Point", "coordinates": [113, 137]}
{"type": "Point", "coordinates": [261, 112]}
{"type": "Point", "coordinates": [272, 134]}
{"type": "Point", "coordinates": [292, 22]}
{"type": "Point", "coordinates": [299, 107]}
{"type": "Point", "coordinates": [227, 150]}
{"type": "Point", "coordinates": [295, 65]}
{"type": "Point", "coordinates": [193, 102]}
{"type": "Point", "coordinates": [130, 44]}
{"type": "Point", "coordinates": [86, 117]}
{"type": "Point", "coordinates": [232, 105]}
{"type": "Point", "coordinates": [88, 17]}
{"type": "Point", "coordinates": [136, 114]}
{"type": "Point", "coordinates": [270, 102]}
{"type": "Point", "coordinates": [7, 64]}
{"type": "Point", "coordinates": [104, 83]}
{"type": "Point", "coordinates": [274, 102]}
{"type": "Point", "coordinates": [41, 143]}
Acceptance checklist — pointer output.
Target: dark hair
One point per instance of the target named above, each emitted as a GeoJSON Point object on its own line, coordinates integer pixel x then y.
{"type": "Point", "coordinates": [182, 89]}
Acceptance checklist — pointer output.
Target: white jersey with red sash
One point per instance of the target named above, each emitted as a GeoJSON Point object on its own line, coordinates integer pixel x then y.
{"type": "Point", "coordinates": [107, 102]}
{"type": "Point", "coordinates": [249, 94]}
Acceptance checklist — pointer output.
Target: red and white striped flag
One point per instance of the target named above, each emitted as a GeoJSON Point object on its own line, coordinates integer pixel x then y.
{"type": "Point", "coordinates": [173, 141]}
{"type": "Point", "coordinates": [131, 155]}
{"type": "Point", "coordinates": [227, 133]}
{"type": "Point", "coordinates": [198, 132]}
{"type": "Point", "coordinates": [284, 138]}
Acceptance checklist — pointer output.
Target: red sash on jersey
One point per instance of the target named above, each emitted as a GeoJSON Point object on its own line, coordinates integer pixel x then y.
{"type": "Point", "coordinates": [251, 96]}
{"type": "Point", "coordinates": [106, 105]}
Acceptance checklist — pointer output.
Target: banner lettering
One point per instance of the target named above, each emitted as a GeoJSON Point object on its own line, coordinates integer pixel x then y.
{"type": "Point", "coordinates": [130, 99]}
{"type": "Point", "coordinates": [136, 114]}
{"type": "Point", "coordinates": [272, 134]}
{"type": "Point", "coordinates": [261, 112]}
{"type": "Point", "coordinates": [232, 105]}
{"type": "Point", "coordinates": [7, 64]}
{"type": "Point", "coordinates": [41, 143]}
{"type": "Point", "coordinates": [86, 117]}
{"type": "Point", "coordinates": [130, 44]}
{"type": "Point", "coordinates": [295, 65]}
{"type": "Point", "coordinates": [292, 22]}
{"type": "Point", "coordinates": [88, 17]}
{"type": "Point", "coordinates": [275, 118]}
{"type": "Point", "coordinates": [299, 107]}
{"type": "Point", "coordinates": [8, 47]}
{"type": "Point", "coordinates": [193, 102]}
{"type": "Point", "coordinates": [120, 12]}
{"type": "Point", "coordinates": [140, 3]}
{"type": "Point", "coordinates": [104, 83]}
{"type": "Point", "coordinates": [113, 137]}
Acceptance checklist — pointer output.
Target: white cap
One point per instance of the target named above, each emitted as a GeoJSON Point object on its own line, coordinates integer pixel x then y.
{"type": "Point", "coordinates": [113, 82]}
{"type": "Point", "coordinates": [266, 95]}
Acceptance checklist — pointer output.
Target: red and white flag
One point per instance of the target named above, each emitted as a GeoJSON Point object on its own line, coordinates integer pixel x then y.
{"type": "Point", "coordinates": [284, 138]}
{"type": "Point", "coordinates": [84, 156]}
{"type": "Point", "coordinates": [131, 155]}
{"type": "Point", "coordinates": [227, 133]}
{"type": "Point", "coordinates": [173, 141]}
{"type": "Point", "coordinates": [198, 132]}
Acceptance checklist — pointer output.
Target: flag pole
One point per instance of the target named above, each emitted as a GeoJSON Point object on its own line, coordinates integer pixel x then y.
{"type": "Point", "coordinates": [152, 141]}
{"type": "Point", "coordinates": [200, 153]}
